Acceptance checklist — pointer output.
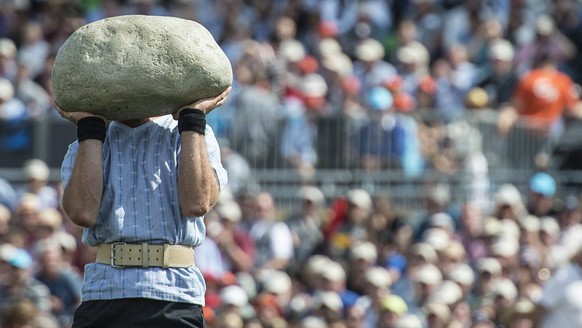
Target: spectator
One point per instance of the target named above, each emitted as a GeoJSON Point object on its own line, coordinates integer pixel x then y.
{"type": "Point", "coordinates": [7, 194]}
{"type": "Point", "coordinates": [305, 225]}
{"type": "Point", "coordinates": [298, 140]}
{"type": "Point", "coordinates": [237, 247]}
{"type": "Point", "coordinates": [63, 283]}
{"type": "Point", "coordinates": [455, 76]}
{"type": "Point", "coordinates": [540, 115]}
{"type": "Point", "coordinates": [15, 137]}
{"type": "Point", "coordinates": [238, 168]}
{"type": "Point", "coordinates": [548, 42]}
{"type": "Point", "coordinates": [17, 282]}
{"type": "Point", "coordinates": [500, 81]}
{"type": "Point", "coordinates": [272, 238]}
{"type": "Point", "coordinates": [540, 195]}
{"type": "Point", "coordinates": [255, 116]}
{"type": "Point", "coordinates": [8, 53]}
{"type": "Point", "coordinates": [351, 228]}
{"type": "Point", "coordinates": [370, 67]}
{"type": "Point", "coordinates": [393, 308]}
{"type": "Point", "coordinates": [34, 48]}
{"type": "Point", "coordinates": [570, 237]}
{"type": "Point", "coordinates": [559, 305]}
{"type": "Point", "coordinates": [37, 174]}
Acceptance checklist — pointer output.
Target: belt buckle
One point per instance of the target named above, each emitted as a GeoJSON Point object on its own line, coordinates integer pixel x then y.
{"type": "Point", "coordinates": [121, 243]}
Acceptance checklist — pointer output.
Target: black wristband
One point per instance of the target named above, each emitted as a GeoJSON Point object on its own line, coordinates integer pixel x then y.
{"type": "Point", "coordinates": [91, 128]}
{"type": "Point", "coordinates": [192, 119]}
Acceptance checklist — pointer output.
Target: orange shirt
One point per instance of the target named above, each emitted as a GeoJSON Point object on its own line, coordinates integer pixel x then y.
{"type": "Point", "coordinates": [543, 94]}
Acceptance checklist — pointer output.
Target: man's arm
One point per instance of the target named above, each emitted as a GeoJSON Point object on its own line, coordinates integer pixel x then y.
{"type": "Point", "coordinates": [82, 196]}
{"type": "Point", "coordinates": [198, 186]}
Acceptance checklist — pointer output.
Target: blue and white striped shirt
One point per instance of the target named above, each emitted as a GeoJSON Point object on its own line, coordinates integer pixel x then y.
{"type": "Point", "coordinates": [140, 204]}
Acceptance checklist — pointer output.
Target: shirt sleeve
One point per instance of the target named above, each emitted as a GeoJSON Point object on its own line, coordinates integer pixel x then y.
{"type": "Point", "coordinates": [213, 151]}
{"type": "Point", "coordinates": [68, 161]}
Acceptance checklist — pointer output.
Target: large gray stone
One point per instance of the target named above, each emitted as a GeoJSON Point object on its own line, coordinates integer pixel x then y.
{"type": "Point", "coordinates": [137, 66]}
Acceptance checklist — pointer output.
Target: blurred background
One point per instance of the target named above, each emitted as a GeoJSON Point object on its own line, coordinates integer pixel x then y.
{"type": "Point", "coordinates": [390, 144]}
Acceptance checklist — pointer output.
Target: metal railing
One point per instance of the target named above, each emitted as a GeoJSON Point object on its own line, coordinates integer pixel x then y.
{"type": "Point", "coordinates": [510, 159]}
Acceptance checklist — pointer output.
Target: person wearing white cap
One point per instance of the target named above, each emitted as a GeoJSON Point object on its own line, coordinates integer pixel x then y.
{"type": "Point", "coordinates": [298, 138]}
{"type": "Point", "coordinates": [235, 244]}
{"type": "Point", "coordinates": [378, 282]}
{"type": "Point", "coordinates": [353, 227]}
{"type": "Point", "coordinates": [37, 174]}
{"type": "Point", "coordinates": [305, 224]}
{"type": "Point", "coordinates": [370, 67]}
{"type": "Point", "coordinates": [363, 256]}
{"type": "Point", "coordinates": [334, 278]}
{"type": "Point", "coordinates": [500, 81]}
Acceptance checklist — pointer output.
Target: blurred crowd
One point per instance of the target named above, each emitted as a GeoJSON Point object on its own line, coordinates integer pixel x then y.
{"type": "Point", "coordinates": [403, 76]}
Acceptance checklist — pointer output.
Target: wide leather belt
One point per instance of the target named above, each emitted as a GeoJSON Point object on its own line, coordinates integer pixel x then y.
{"type": "Point", "coordinates": [145, 255]}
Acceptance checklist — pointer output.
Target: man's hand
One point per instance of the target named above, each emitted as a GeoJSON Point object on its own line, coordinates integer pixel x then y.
{"type": "Point", "coordinates": [208, 104]}
{"type": "Point", "coordinates": [74, 117]}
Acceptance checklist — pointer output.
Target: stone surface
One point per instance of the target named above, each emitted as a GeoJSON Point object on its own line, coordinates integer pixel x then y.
{"type": "Point", "coordinates": [137, 66]}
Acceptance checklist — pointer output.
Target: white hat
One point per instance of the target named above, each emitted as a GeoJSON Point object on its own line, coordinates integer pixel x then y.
{"type": "Point", "coordinates": [408, 55]}
{"type": "Point", "coordinates": [441, 310]}
{"type": "Point", "coordinates": [428, 274]}
{"type": "Point", "coordinates": [229, 210]}
{"type": "Point", "coordinates": [7, 251]}
{"type": "Point", "coordinates": [448, 292]}
{"type": "Point", "coordinates": [530, 223]}
{"type": "Point", "coordinates": [329, 299]}
{"type": "Point", "coordinates": [508, 194]}
{"type": "Point", "coordinates": [7, 48]}
{"type": "Point", "coordinates": [334, 272]}
{"type": "Point", "coordinates": [6, 89]}
{"type": "Point", "coordinates": [36, 169]}
{"type": "Point", "coordinates": [509, 229]}
{"type": "Point", "coordinates": [317, 263]}
{"type": "Point", "coordinates": [314, 85]}
{"type": "Point", "coordinates": [545, 25]}
{"type": "Point", "coordinates": [441, 220]}
{"type": "Point", "coordinates": [437, 238]}
{"type": "Point", "coordinates": [313, 322]}
{"type": "Point", "coordinates": [462, 274]}
{"type": "Point", "coordinates": [424, 250]}
{"type": "Point", "coordinates": [491, 226]}
{"type": "Point", "coordinates": [360, 198]}
{"type": "Point", "coordinates": [501, 50]}
{"type": "Point", "coordinates": [549, 225]}
{"type": "Point", "coordinates": [340, 63]}
{"type": "Point", "coordinates": [276, 282]}
{"type": "Point", "coordinates": [506, 288]}
{"type": "Point", "coordinates": [378, 277]}
{"type": "Point", "coordinates": [292, 50]}
{"type": "Point", "coordinates": [408, 321]}
{"type": "Point", "coordinates": [312, 194]}
{"type": "Point", "coordinates": [234, 295]}
{"type": "Point", "coordinates": [370, 50]}
{"type": "Point", "coordinates": [329, 47]}
{"type": "Point", "coordinates": [504, 247]}
{"type": "Point", "coordinates": [364, 250]}
{"type": "Point", "coordinates": [489, 264]}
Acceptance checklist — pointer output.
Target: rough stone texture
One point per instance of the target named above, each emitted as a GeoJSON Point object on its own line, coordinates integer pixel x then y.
{"type": "Point", "coordinates": [137, 66]}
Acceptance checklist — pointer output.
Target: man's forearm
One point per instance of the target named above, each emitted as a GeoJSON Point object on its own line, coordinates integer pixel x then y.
{"type": "Point", "coordinates": [197, 184]}
{"type": "Point", "coordinates": [82, 196]}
